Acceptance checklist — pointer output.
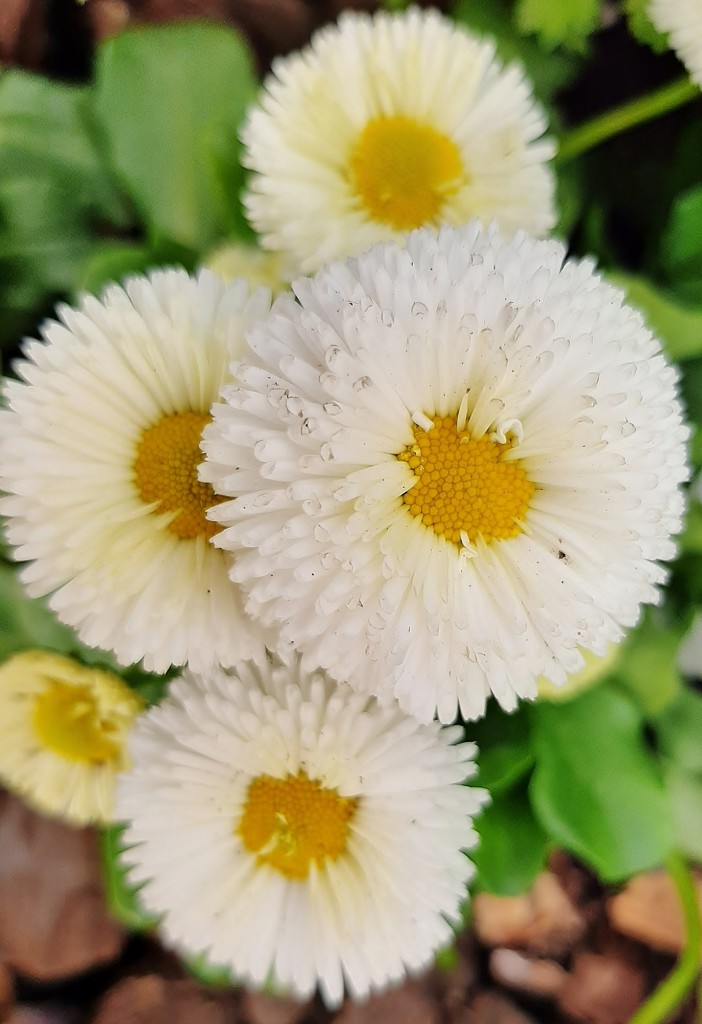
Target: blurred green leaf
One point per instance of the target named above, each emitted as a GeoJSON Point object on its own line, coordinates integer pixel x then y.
{"type": "Point", "coordinates": [549, 72]}
{"type": "Point", "coordinates": [678, 327]}
{"type": "Point", "coordinates": [164, 96]}
{"type": "Point", "coordinates": [685, 792]}
{"type": "Point", "coordinates": [679, 730]}
{"type": "Point", "coordinates": [113, 261]}
{"type": "Point", "coordinates": [566, 23]}
{"type": "Point", "coordinates": [648, 664]}
{"type": "Point", "coordinates": [641, 26]}
{"type": "Point", "coordinates": [513, 847]}
{"type": "Point", "coordinates": [504, 747]}
{"type": "Point", "coordinates": [691, 538]}
{"type": "Point", "coordinates": [691, 388]}
{"type": "Point", "coordinates": [27, 623]}
{"type": "Point", "coordinates": [681, 245]}
{"type": "Point", "coordinates": [595, 788]}
{"type": "Point", "coordinates": [121, 896]}
{"type": "Point", "coordinates": [208, 973]}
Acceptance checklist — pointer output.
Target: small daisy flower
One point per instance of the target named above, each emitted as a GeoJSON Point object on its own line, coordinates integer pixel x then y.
{"type": "Point", "coordinates": [388, 123]}
{"type": "Point", "coordinates": [682, 20]}
{"type": "Point", "coordinates": [64, 732]}
{"type": "Point", "coordinates": [462, 459]}
{"type": "Point", "coordinates": [235, 260]}
{"type": "Point", "coordinates": [289, 828]}
{"type": "Point", "coordinates": [99, 448]}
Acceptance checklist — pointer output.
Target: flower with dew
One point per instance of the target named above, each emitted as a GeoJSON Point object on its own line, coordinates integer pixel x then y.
{"type": "Point", "coordinates": [289, 828]}
{"type": "Point", "coordinates": [388, 123]}
{"type": "Point", "coordinates": [99, 449]}
{"type": "Point", "coordinates": [64, 735]}
{"type": "Point", "coordinates": [682, 20]}
{"type": "Point", "coordinates": [454, 464]}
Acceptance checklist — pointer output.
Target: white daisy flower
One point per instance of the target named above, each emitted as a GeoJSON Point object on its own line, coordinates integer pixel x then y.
{"type": "Point", "coordinates": [64, 733]}
{"type": "Point", "coordinates": [461, 459]}
{"type": "Point", "coordinates": [289, 828]}
{"type": "Point", "coordinates": [682, 20]}
{"type": "Point", "coordinates": [99, 448]}
{"type": "Point", "coordinates": [388, 123]}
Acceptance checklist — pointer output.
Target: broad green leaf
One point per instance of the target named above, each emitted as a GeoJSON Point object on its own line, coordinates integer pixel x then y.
{"type": "Point", "coordinates": [648, 663]}
{"type": "Point", "coordinates": [513, 847]}
{"type": "Point", "coordinates": [691, 388]}
{"type": "Point", "coordinates": [641, 26]}
{"type": "Point", "coordinates": [679, 327]}
{"type": "Point", "coordinates": [685, 793]}
{"type": "Point", "coordinates": [681, 245]}
{"type": "Point", "coordinates": [165, 95]}
{"type": "Point", "coordinates": [566, 23]}
{"type": "Point", "coordinates": [46, 131]}
{"type": "Point", "coordinates": [691, 538]}
{"type": "Point", "coordinates": [595, 789]}
{"type": "Point", "coordinates": [121, 896]}
{"type": "Point", "coordinates": [504, 747]}
{"type": "Point", "coordinates": [679, 730]}
{"type": "Point", "coordinates": [113, 261]}
{"type": "Point", "coordinates": [27, 623]}
{"type": "Point", "coordinates": [549, 72]}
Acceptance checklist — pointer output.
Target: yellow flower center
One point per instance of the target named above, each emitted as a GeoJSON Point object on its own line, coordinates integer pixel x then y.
{"type": "Point", "coordinates": [165, 471]}
{"type": "Point", "coordinates": [465, 488]}
{"type": "Point", "coordinates": [291, 822]}
{"type": "Point", "coordinates": [404, 170]}
{"type": "Point", "coordinates": [87, 723]}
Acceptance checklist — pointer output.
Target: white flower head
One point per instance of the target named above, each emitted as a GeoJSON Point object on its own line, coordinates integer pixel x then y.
{"type": "Point", "coordinates": [290, 828]}
{"type": "Point", "coordinates": [682, 20]}
{"type": "Point", "coordinates": [387, 123]}
{"type": "Point", "coordinates": [99, 448]}
{"type": "Point", "coordinates": [64, 734]}
{"type": "Point", "coordinates": [454, 464]}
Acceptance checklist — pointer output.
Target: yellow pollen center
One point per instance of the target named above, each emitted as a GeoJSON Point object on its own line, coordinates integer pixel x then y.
{"type": "Point", "coordinates": [464, 485]}
{"type": "Point", "coordinates": [165, 471]}
{"type": "Point", "coordinates": [291, 822]}
{"type": "Point", "coordinates": [404, 170]}
{"type": "Point", "coordinates": [72, 721]}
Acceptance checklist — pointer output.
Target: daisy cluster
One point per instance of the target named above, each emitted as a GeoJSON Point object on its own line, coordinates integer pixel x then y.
{"type": "Point", "coordinates": [445, 467]}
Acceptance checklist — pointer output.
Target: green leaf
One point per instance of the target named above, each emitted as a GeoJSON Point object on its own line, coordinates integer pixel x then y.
{"type": "Point", "coordinates": [121, 896]}
{"type": "Point", "coordinates": [113, 261]}
{"type": "Point", "coordinates": [685, 793]}
{"type": "Point", "coordinates": [681, 245]}
{"type": "Point", "coordinates": [208, 973]}
{"type": "Point", "coordinates": [47, 131]}
{"type": "Point", "coordinates": [691, 388]}
{"type": "Point", "coordinates": [27, 623]}
{"type": "Point", "coordinates": [165, 96]}
{"type": "Point", "coordinates": [641, 26]}
{"type": "Point", "coordinates": [648, 663]}
{"type": "Point", "coordinates": [691, 538]}
{"type": "Point", "coordinates": [548, 72]}
{"type": "Point", "coordinates": [595, 789]}
{"type": "Point", "coordinates": [679, 327]}
{"type": "Point", "coordinates": [568, 23]}
{"type": "Point", "coordinates": [679, 730]}
{"type": "Point", "coordinates": [504, 747]}
{"type": "Point", "coordinates": [513, 846]}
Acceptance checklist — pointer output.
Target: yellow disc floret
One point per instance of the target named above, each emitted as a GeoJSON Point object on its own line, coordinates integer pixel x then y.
{"type": "Point", "coordinates": [291, 822]}
{"type": "Point", "coordinates": [165, 471]}
{"type": "Point", "coordinates": [404, 170]}
{"type": "Point", "coordinates": [82, 714]}
{"type": "Point", "coordinates": [464, 486]}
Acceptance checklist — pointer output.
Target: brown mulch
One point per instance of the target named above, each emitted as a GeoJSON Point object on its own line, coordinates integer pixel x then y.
{"type": "Point", "coordinates": [567, 952]}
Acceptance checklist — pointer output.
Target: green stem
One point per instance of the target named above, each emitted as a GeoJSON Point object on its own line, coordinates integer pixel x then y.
{"type": "Point", "coordinates": [660, 1006]}
{"type": "Point", "coordinates": [643, 108]}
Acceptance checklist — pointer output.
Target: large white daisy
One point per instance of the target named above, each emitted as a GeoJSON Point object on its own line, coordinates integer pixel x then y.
{"type": "Point", "coordinates": [289, 828]}
{"type": "Point", "coordinates": [388, 123]}
{"type": "Point", "coordinates": [682, 19]}
{"type": "Point", "coordinates": [455, 464]}
{"type": "Point", "coordinates": [64, 734]}
{"type": "Point", "coordinates": [99, 448]}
